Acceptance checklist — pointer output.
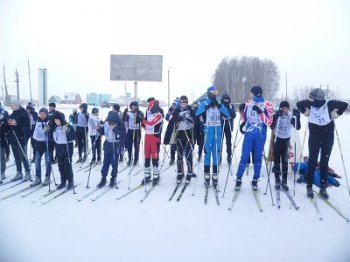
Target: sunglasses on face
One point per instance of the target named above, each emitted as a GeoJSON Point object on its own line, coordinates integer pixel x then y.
{"type": "Point", "coordinates": [214, 92]}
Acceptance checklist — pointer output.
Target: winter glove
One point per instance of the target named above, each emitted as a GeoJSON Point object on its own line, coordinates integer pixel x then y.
{"type": "Point", "coordinates": [47, 128]}
{"type": "Point", "coordinates": [307, 112]}
{"type": "Point", "coordinates": [65, 128]}
{"type": "Point", "coordinates": [241, 126]}
{"type": "Point", "coordinates": [279, 113]}
{"type": "Point", "coordinates": [181, 118]}
{"type": "Point", "coordinates": [296, 113]}
{"type": "Point", "coordinates": [334, 114]}
{"type": "Point", "coordinates": [257, 109]}
{"type": "Point", "coordinates": [241, 107]}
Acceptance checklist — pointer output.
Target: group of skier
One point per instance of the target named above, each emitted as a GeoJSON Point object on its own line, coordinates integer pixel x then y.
{"type": "Point", "coordinates": [205, 124]}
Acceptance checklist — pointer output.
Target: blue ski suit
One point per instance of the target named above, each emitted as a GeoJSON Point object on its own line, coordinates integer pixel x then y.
{"type": "Point", "coordinates": [255, 132]}
{"type": "Point", "coordinates": [210, 110]}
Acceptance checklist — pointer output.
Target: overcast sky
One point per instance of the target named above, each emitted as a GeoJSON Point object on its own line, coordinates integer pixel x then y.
{"type": "Point", "coordinates": [309, 40]}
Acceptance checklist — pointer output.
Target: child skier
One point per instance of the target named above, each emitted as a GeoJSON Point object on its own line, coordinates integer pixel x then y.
{"type": "Point", "coordinates": [152, 124]}
{"type": "Point", "coordinates": [64, 136]}
{"type": "Point", "coordinates": [210, 109]}
{"type": "Point", "coordinates": [114, 131]}
{"type": "Point", "coordinates": [81, 121]}
{"type": "Point", "coordinates": [282, 122]}
{"type": "Point", "coordinates": [227, 126]}
{"type": "Point", "coordinates": [257, 115]}
{"type": "Point", "coordinates": [44, 144]}
{"type": "Point", "coordinates": [132, 120]}
{"type": "Point", "coordinates": [182, 126]}
{"type": "Point", "coordinates": [95, 137]}
{"type": "Point", "coordinates": [321, 115]}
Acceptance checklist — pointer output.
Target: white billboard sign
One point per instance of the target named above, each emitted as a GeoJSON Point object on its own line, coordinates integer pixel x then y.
{"type": "Point", "coordinates": [136, 68]}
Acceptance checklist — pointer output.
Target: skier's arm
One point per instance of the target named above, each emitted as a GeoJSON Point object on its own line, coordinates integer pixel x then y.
{"type": "Point", "coordinates": [304, 105]}
{"type": "Point", "coordinates": [339, 106]}
{"type": "Point", "coordinates": [266, 115]}
{"type": "Point", "coordinates": [154, 121]}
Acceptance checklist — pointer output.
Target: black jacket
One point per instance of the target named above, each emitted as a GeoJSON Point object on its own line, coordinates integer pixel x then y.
{"type": "Point", "coordinates": [22, 129]}
{"type": "Point", "coordinates": [332, 104]}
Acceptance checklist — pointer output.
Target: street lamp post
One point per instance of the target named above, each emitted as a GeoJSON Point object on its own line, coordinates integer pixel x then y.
{"type": "Point", "coordinates": [244, 79]}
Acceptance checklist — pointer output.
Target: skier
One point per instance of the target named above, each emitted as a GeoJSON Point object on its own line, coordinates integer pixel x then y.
{"type": "Point", "coordinates": [116, 108]}
{"type": "Point", "coordinates": [182, 128]}
{"type": "Point", "coordinates": [210, 110]}
{"type": "Point", "coordinates": [52, 110]}
{"type": "Point", "coordinates": [3, 140]}
{"type": "Point", "coordinates": [227, 126]}
{"type": "Point", "coordinates": [302, 168]}
{"type": "Point", "coordinates": [114, 131]}
{"type": "Point", "coordinates": [44, 143]}
{"type": "Point", "coordinates": [152, 123]}
{"type": "Point", "coordinates": [33, 117]}
{"type": "Point", "coordinates": [18, 134]}
{"type": "Point", "coordinates": [132, 120]}
{"type": "Point", "coordinates": [168, 117]}
{"type": "Point", "coordinates": [81, 121]}
{"type": "Point", "coordinates": [94, 126]}
{"type": "Point", "coordinates": [257, 115]}
{"type": "Point", "coordinates": [282, 122]}
{"type": "Point", "coordinates": [199, 136]}
{"type": "Point", "coordinates": [64, 135]}
{"type": "Point", "coordinates": [321, 115]}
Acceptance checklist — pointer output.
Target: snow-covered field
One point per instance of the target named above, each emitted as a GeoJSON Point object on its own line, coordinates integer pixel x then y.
{"type": "Point", "coordinates": [159, 230]}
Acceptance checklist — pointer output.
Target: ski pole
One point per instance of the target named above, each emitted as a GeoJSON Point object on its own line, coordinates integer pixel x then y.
{"type": "Point", "coordinates": [301, 151]}
{"type": "Point", "coordinates": [342, 158]}
{"type": "Point", "coordinates": [23, 153]}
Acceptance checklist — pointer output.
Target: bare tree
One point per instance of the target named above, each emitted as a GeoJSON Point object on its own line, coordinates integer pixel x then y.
{"type": "Point", "coordinates": [236, 76]}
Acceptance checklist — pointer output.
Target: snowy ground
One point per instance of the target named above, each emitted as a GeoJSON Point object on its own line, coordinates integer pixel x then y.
{"type": "Point", "coordinates": [159, 230]}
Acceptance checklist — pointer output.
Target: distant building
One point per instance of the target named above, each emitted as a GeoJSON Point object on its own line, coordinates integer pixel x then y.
{"type": "Point", "coordinates": [54, 99]}
{"type": "Point", "coordinates": [97, 99]}
{"type": "Point", "coordinates": [71, 98]}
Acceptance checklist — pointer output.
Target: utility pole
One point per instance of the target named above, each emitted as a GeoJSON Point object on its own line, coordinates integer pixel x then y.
{"type": "Point", "coordinates": [7, 100]}
{"type": "Point", "coordinates": [286, 87]}
{"type": "Point", "coordinates": [17, 83]}
{"type": "Point", "coordinates": [169, 87]}
{"type": "Point", "coordinates": [30, 84]}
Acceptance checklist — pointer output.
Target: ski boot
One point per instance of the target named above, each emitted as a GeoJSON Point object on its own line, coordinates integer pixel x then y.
{"type": "Point", "coordinates": [70, 185]}
{"type": "Point", "coordinates": [172, 161]}
{"type": "Point", "coordinates": [18, 176]}
{"type": "Point", "coordinates": [128, 163]}
{"type": "Point", "coordinates": [3, 176]}
{"type": "Point", "coordinates": [146, 180]}
{"type": "Point", "coordinates": [112, 182]}
{"type": "Point", "coordinates": [46, 181]}
{"type": "Point", "coordinates": [135, 163]}
{"type": "Point", "coordinates": [215, 179]}
{"type": "Point", "coordinates": [188, 178]}
{"type": "Point", "coordinates": [62, 185]}
{"type": "Point", "coordinates": [155, 176]}
{"type": "Point", "coordinates": [26, 177]}
{"type": "Point", "coordinates": [80, 160]}
{"type": "Point", "coordinates": [179, 178]}
{"type": "Point", "coordinates": [155, 180]}
{"type": "Point", "coordinates": [36, 182]}
{"type": "Point", "coordinates": [323, 192]}
{"type": "Point", "coordinates": [238, 184]}
{"type": "Point", "coordinates": [309, 192]}
{"type": "Point", "coordinates": [229, 160]}
{"type": "Point", "coordinates": [278, 183]}
{"type": "Point", "coordinates": [255, 184]}
{"type": "Point", "coordinates": [206, 179]}
{"type": "Point", "coordinates": [284, 185]}
{"type": "Point", "coordinates": [102, 182]}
